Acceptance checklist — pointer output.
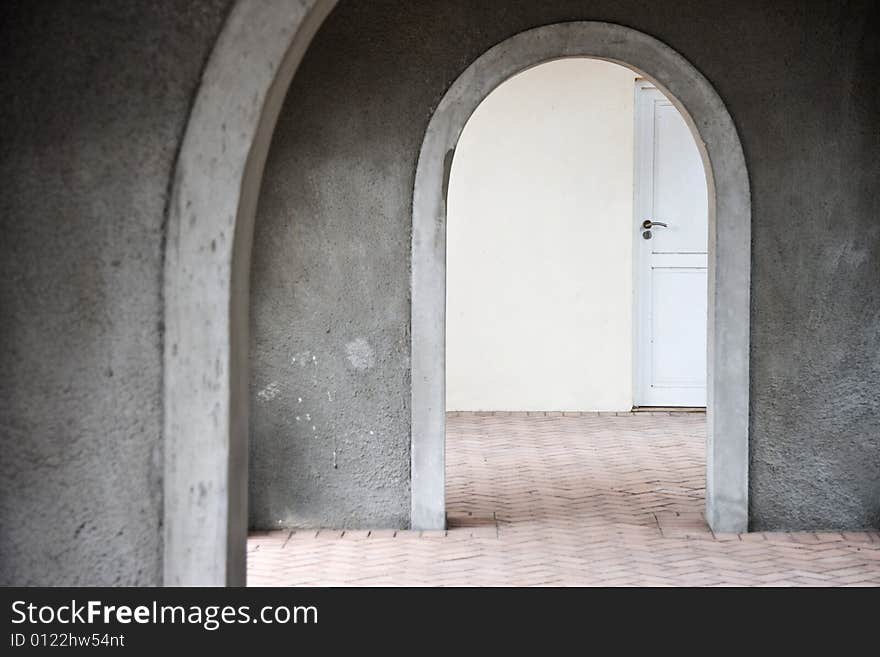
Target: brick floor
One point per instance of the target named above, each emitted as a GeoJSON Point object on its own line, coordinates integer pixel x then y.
{"type": "Point", "coordinates": [581, 499]}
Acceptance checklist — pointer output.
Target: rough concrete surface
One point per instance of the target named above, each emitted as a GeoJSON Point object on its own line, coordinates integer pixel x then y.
{"type": "Point", "coordinates": [95, 100]}
{"type": "Point", "coordinates": [332, 247]}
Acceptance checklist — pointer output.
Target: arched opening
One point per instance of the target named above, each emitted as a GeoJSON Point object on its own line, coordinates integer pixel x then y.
{"type": "Point", "coordinates": [575, 338]}
{"type": "Point", "coordinates": [728, 257]}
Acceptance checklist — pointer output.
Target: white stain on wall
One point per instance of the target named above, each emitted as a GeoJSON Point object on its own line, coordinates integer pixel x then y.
{"type": "Point", "coordinates": [301, 358]}
{"type": "Point", "coordinates": [270, 392]}
{"type": "Point", "coordinates": [360, 354]}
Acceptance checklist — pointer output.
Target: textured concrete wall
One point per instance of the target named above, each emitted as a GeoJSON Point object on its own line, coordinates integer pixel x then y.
{"type": "Point", "coordinates": [330, 277]}
{"type": "Point", "coordinates": [95, 98]}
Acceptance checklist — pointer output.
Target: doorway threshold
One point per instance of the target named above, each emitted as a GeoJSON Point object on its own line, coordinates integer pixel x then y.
{"type": "Point", "coordinates": [668, 409]}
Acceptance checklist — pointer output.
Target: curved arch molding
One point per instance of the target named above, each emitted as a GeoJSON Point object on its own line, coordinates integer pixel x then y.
{"type": "Point", "coordinates": [207, 268]}
{"type": "Point", "coordinates": [727, 451]}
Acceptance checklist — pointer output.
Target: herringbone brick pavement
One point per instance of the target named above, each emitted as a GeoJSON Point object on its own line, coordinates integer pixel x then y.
{"type": "Point", "coordinates": [580, 499]}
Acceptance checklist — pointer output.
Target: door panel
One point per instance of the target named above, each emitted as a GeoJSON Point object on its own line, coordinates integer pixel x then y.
{"type": "Point", "coordinates": [670, 266]}
{"type": "Point", "coordinates": [678, 363]}
{"type": "Point", "coordinates": [680, 195]}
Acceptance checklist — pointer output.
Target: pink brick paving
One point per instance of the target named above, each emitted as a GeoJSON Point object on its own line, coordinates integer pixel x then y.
{"type": "Point", "coordinates": [581, 500]}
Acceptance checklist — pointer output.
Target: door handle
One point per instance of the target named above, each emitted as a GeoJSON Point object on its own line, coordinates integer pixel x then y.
{"type": "Point", "coordinates": [647, 224]}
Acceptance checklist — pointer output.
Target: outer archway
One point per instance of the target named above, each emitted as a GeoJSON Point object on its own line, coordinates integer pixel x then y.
{"type": "Point", "coordinates": [729, 253]}
{"type": "Point", "coordinates": [207, 266]}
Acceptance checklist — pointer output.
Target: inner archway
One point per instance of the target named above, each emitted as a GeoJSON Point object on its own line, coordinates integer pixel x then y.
{"type": "Point", "coordinates": [728, 253]}
{"type": "Point", "coordinates": [575, 339]}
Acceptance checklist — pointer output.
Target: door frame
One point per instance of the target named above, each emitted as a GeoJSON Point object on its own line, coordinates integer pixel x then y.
{"type": "Point", "coordinates": [642, 182]}
{"type": "Point", "coordinates": [729, 261]}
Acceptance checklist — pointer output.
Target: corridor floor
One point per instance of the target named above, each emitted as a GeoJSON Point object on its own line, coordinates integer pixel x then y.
{"type": "Point", "coordinates": [587, 499]}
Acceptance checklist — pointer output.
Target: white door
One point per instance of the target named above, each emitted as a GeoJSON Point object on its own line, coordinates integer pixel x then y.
{"type": "Point", "coordinates": [670, 260]}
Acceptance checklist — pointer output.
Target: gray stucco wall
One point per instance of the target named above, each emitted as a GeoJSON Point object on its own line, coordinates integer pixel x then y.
{"type": "Point", "coordinates": [330, 276]}
{"type": "Point", "coordinates": [95, 98]}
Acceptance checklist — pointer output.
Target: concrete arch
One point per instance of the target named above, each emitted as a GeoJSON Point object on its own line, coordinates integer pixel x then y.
{"type": "Point", "coordinates": [207, 266]}
{"type": "Point", "coordinates": [729, 253]}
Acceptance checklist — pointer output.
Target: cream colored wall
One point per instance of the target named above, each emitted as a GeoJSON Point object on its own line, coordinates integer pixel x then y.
{"type": "Point", "coordinates": [539, 244]}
